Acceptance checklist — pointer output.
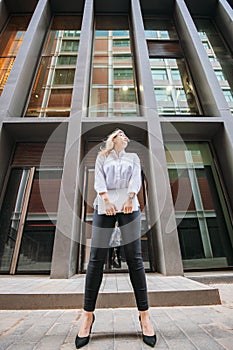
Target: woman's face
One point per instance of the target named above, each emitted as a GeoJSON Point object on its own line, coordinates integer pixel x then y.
{"type": "Point", "coordinates": [121, 139]}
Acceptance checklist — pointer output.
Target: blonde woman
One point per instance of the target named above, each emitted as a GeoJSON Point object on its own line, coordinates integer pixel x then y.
{"type": "Point", "coordinates": [116, 171]}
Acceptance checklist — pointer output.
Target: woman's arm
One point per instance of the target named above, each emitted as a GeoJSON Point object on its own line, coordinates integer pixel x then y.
{"type": "Point", "coordinates": [136, 179]}
{"type": "Point", "coordinates": [101, 187]}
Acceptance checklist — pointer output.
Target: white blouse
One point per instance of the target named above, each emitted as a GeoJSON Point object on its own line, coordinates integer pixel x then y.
{"type": "Point", "coordinates": [114, 172]}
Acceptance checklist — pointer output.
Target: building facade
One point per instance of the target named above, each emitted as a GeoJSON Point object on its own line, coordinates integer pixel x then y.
{"type": "Point", "coordinates": [70, 73]}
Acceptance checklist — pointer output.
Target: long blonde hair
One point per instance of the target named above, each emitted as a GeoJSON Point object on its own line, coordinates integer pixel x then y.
{"type": "Point", "coordinates": [109, 144]}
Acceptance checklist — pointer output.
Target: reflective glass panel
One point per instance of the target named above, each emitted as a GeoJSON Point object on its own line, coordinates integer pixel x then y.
{"type": "Point", "coordinates": [203, 222]}
{"type": "Point", "coordinates": [53, 86]}
{"type": "Point", "coordinates": [10, 41]}
{"type": "Point", "coordinates": [218, 53]}
{"type": "Point", "coordinates": [113, 83]}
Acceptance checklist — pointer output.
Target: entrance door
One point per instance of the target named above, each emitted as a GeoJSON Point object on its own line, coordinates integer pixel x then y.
{"type": "Point", "coordinates": [115, 263]}
{"type": "Point", "coordinates": [28, 220]}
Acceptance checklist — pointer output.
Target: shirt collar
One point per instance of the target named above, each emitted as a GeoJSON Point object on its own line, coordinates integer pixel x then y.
{"type": "Point", "coordinates": [121, 154]}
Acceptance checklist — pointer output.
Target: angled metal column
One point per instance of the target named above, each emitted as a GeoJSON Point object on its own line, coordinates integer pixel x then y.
{"type": "Point", "coordinates": [165, 236]}
{"type": "Point", "coordinates": [15, 92]}
{"type": "Point", "coordinates": [209, 91]}
{"type": "Point", "coordinates": [65, 257]}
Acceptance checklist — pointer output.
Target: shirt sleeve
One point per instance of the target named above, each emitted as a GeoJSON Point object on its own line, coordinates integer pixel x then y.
{"type": "Point", "coordinates": [135, 180]}
{"type": "Point", "coordinates": [100, 183]}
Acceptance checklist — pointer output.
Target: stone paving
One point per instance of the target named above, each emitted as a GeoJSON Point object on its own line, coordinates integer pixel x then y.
{"type": "Point", "coordinates": [177, 328]}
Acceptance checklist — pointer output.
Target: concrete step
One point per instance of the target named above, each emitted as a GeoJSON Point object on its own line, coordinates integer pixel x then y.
{"type": "Point", "coordinates": [36, 292]}
{"type": "Point", "coordinates": [211, 277]}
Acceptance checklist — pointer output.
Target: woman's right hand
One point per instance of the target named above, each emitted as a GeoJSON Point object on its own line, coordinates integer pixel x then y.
{"type": "Point", "coordinates": [110, 208]}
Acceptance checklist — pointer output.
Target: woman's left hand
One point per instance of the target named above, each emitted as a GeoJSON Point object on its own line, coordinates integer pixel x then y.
{"type": "Point", "coordinates": [127, 207]}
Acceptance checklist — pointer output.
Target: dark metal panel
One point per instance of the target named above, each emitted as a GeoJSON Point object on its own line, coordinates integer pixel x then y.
{"type": "Point", "coordinates": [164, 48]}
{"type": "Point", "coordinates": [69, 6]}
{"type": "Point", "coordinates": [21, 6]}
{"type": "Point", "coordinates": [202, 8]}
{"type": "Point", "coordinates": [164, 7]}
{"type": "Point", "coordinates": [112, 22]}
{"type": "Point", "coordinates": [106, 6]}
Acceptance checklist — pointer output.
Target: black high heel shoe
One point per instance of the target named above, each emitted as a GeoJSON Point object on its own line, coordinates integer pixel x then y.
{"type": "Point", "coordinates": [82, 341]}
{"type": "Point", "coordinates": [148, 339]}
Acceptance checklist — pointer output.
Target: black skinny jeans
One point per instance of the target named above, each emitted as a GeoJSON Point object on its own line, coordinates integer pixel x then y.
{"type": "Point", "coordinates": [102, 228]}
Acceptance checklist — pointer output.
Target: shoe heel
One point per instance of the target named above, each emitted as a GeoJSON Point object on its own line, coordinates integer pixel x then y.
{"type": "Point", "coordinates": [148, 339]}
{"type": "Point", "coordinates": [82, 341]}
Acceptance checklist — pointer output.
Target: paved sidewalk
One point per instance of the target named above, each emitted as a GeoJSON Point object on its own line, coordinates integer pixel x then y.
{"type": "Point", "coordinates": [178, 328]}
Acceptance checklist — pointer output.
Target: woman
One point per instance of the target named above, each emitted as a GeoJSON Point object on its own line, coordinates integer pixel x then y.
{"type": "Point", "coordinates": [119, 172]}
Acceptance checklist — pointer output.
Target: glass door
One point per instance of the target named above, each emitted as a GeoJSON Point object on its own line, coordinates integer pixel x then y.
{"type": "Point", "coordinates": [204, 224]}
{"type": "Point", "coordinates": [28, 220]}
{"type": "Point", "coordinates": [115, 261]}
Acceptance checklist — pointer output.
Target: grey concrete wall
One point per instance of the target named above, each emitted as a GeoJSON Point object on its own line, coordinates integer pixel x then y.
{"type": "Point", "coordinates": [65, 257]}
{"type": "Point", "coordinates": [16, 90]}
{"type": "Point", "coordinates": [224, 20]}
{"type": "Point", "coordinates": [162, 216]}
{"type": "Point", "coordinates": [206, 83]}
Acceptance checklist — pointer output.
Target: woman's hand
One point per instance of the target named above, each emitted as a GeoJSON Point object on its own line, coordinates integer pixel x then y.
{"type": "Point", "coordinates": [127, 207]}
{"type": "Point", "coordinates": [110, 208]}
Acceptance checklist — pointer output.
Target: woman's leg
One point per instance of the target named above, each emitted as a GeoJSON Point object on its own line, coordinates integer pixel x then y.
{"type": "Point", "coordinates": [102, 229]}
{"type": "Point", "coordinates": [130, 225]}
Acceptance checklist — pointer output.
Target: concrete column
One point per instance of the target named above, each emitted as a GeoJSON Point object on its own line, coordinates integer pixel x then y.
{"type": "Point", "coordinates": [164, 235]}
{"type": "Point", "coordinates": [15, 93]}
{"type": "Point", "coordinates": [65, 252]}
{"type": "Point", "coordinates": [3, 14]}
{"type": "Point", "coordinates": [224, 20]}
{"type": "Point", "coordinates": [209, 91]}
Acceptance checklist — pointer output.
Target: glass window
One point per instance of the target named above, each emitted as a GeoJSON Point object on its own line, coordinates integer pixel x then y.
{"type": "Point", "coordinates": [112, 90]}
{"type": "Point", "coordinates": [228, 95]}
{"type": "Point", "coordinates": [66, 60]}
{"type": "Point", "coordinates": [177, 95]}
{"type": "Point", "coordinates": [36, 244]}
{"type": "Point", "coordinates": [175, 73]}
{"type": "Point", "coordinates": [160, 29]}
{"type": "Point", "coordinates": [121, 43]}
{"type": "Point", "coordinates": [203, 222]}
{"type": "Point", "coordinates": [53, 86]}
{"type": "Point", "coordinates": [219, 55]}
{"type": "Point", "coordinates": [174, 90]}
{"type": "Point", "coordinates": [69, 46]}
{"type": "Point", "coordinates": [219, 75]}
{"type": "Point", "coordinates": [159, 74]}
{"type": "Point", "coordinates": [10, 41]}
{"type": "Point", "coordinates": [123, 74]}
{"type": "Point", "coordinates": [162, 94]}
{"type": "Point", "coordinates": [63, 77]}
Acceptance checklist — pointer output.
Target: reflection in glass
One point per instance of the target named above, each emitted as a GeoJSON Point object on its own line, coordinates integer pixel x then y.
{"type": "Point", "coordinates": [113, 86]}
{"type": "Point", "coordinates": [160, 29]}
{"type": "Point", "coordinates": [10, 216]}
{"type": "Point", "coordinates": [38, 235]}
{"type": "Point", "coordinates": [10, 41]}
{"type": "Point", "coordinates": [172, 86]}
{"type": "Point", "coordinates": [52, 90]}
{"type": "Point", "coordinates": [218, 53]}
{"type": "Point", "coordinates": [204, 227]}
{"type": "Point", "coordinates": [39, 227]}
